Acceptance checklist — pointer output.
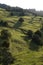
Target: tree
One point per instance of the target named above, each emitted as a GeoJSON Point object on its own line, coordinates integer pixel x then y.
{"type": "Point", "coordinates": [36, 39]}
{"type": "Point", "coordinates": [21, 13]}
{"type": "Point", "coordinates": [3, 23]}
{"type": "Point", "coordinates": [6, 57]}
{"type": "Point", "coordinates": [6, 44]}
{"type": "Point", "coordinates": [38, 32]}
{"type": "Point", "coordinates": [5, 34]}
{"type": "Point", "coordinates": [11, 14]}
{"type": "Point", "coordinates": [21, 19]}
{"type": "Point", "coordinates": [29, 33]}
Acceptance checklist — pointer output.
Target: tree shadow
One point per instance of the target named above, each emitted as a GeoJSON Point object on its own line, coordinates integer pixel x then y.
{"type": "Point", "coordinates": [33, 46]}
{"type": "Point", "coordinates": [23, 31]}
{"type": "Point", "coordinates": [17, 25]}
{"type": "Point", "coordinates": [26, 38]}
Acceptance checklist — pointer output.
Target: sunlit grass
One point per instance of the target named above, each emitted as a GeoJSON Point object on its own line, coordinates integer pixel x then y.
{"type": "Point", "coordinates": [20, 47]}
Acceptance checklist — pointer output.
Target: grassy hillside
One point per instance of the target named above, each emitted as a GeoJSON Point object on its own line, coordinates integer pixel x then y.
{"type": "Point", "coordinates": [19, 47]}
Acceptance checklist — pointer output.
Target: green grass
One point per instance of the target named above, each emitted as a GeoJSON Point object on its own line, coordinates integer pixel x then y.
{"type": "Point", "coordinates": [18, 46]}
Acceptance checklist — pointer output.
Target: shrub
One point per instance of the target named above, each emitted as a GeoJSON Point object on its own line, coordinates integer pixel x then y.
{"type": "Point", "coordinates": [40, 19]}
{"type": "Point", "coordinates": [36, 39]}
{"type": "Point", "coordinates": [8, 59]}
{"type": "Point", "coordinates": [29, 33]}
{"type": "Point", "coordinates": [11, 14]}
{"type": "Point", "coordinates": [38, 32]}
{"type": "Point", "coordinates": [6, 44]}
{"type": "Point", "coordinates": [5, 34]}
{"type": "Point", "coordinates": [3, 23]}
{"type": "Point", "coordinates": [21, 19]}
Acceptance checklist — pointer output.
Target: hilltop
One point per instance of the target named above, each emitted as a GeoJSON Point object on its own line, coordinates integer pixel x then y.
{"type": "Point", "coordinates": [21, 11]}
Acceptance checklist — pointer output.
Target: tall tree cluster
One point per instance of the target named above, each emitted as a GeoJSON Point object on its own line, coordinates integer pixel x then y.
{"type": "Point", "coordinates": [6, 57]}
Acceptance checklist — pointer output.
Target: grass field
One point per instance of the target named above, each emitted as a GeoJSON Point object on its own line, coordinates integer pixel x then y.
{"type": "Point", "coordinates": [19, 47]}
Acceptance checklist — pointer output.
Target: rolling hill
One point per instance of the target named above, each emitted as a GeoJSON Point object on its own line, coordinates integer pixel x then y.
{"type": "Point", "coordinates": [20, 48]}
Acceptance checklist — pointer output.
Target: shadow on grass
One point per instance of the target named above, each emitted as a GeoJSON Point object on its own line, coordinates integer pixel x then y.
{"type": "Point", "coordinates": [26, 38]}
{"type": "Point", "coordinates": [17, 25]}
{"type": "Point", "coordinates": [23, 31]}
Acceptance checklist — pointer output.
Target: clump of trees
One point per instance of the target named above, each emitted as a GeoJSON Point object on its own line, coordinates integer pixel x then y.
{"type": "Point", "coordinates": [6, 57]}
{"type": "Point", "coordinates": [37, 37]}
{"type": "Point", "coordinates": [22, 13]}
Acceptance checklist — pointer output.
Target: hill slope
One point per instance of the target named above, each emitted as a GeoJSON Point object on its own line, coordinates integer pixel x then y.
{"type": "Point", "coordinates": [19, 47]}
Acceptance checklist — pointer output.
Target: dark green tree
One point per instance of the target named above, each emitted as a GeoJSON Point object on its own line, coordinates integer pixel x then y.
{"type": "Point", "coordinates": [29, 34]}
{"type": "Point", "coordinates": [36, 39]}
{"type": "Point", "coordinates": [6, 57]}
{"type": "Point", "coordinates": [5, 34]}
{"type": "Point", "coordinates": [21, 19]}
{"type": "Point", "coordinates": [3, 23]}
{"type": "Point", "coordinates": [38, 32]}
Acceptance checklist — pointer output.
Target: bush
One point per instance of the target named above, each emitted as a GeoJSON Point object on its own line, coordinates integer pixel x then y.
{"type": "Point", "coordinates": [29, 33]}
{"type": "Point", "coordinates": [5, 34]}
{"type": "Point", "coordinates": [11, 14]}
{"type": "Point", "coordinates": [21, 19]}
{"type": "Point", "coordinates": [3, 23]}
{"type": "Point", "coordinates": [6, 44]}
{"type": "Point", "coordinates": [8, 58]}
{"type": "Point", "coordinates": [36, 39]}
{"type": "Point", "coordinates": [38, 32]}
